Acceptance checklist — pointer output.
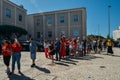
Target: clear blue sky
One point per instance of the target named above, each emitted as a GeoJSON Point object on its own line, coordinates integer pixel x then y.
{"type": "Point", "coordinates": [97, 11]}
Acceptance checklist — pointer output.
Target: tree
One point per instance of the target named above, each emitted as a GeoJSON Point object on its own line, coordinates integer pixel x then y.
{"type": "Point", "coordinates": [6, 31]}
{"type": "Point", "coordinates": [91, 37]}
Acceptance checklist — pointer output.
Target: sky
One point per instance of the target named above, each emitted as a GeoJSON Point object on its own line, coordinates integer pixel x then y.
{"type": "Point", "coordinates": [97, 12]}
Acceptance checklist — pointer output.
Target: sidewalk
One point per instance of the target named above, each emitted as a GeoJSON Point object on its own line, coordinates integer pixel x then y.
{"type": "Point", "coordinates": [94, 67]}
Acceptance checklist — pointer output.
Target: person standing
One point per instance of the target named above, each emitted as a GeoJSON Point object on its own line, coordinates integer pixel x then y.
{"type": "Point", "coordinates": [67, 48]}
{"type": "Point", "coordinates": [75, 46]}
{"type": "Point", "coordinates": [17, 47]}
{"type": "Point", "coordinates": [33, 50]}
{"type": "Point", "coordinates": [7, 52]}
{"type": "Point", "coordinates": [109, 47]}
{"type": "Point", "coordinates": [57, 45]}
{"type": "Point", "coordinates": [46, 46]}
{"type": "Point", "coordinates": [62, 47]}
{"type": "Point", "coordinates": [84, 45]}
{"type": "Point", "coordinates": [99, 46]}
{"type": "Point", "coordinates": [89, 47]}
{"type": "Point", "coordinates": [80, 49]}
{"type": "Point", "coordinates": [52, 50]}
{"type": "Point", "coordinates": [95, 45]}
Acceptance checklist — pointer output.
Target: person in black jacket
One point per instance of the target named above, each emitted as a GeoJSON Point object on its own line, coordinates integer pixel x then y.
{"type": "Point", "coordinates": [84, 45]}
{"type": "Point", "coordinates": [51, 50]}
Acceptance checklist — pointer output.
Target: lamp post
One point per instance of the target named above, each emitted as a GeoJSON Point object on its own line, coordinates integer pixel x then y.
{"type": "Point", "coordinates": [109, 6]}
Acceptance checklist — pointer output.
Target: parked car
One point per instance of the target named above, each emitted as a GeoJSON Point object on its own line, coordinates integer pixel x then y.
{"type": "Point", "coordinates": [25, 45]}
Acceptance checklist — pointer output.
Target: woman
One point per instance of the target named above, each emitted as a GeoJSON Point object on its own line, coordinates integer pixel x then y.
{"type": "Point", "coordinates": [67, 47]}
{"type": "Point", "coordinates": [46, 45]}
{"type": "Point", "coordinates": [99, 47]}
{"type": "Point", "coordinates": [52, 50]}
{"type": "Point", "coordinates": [7, 52]}
{"type": "Point", "coordinates": [16, 55]}
{"type": "Point", "coordinates": [80, 49]}
{"type": "Point", "coordinates": [62, 47]}
{"type": "Point", "coordinates": [89, 47]}
{"type": "Point", "coordinates": [75, 46]}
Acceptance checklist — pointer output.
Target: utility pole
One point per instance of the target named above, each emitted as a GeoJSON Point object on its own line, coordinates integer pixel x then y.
{"type": "Point", "coordinates": [109, 6]}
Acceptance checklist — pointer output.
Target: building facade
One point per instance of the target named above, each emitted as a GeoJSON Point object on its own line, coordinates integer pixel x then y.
{"type": "Point", "coordinates": [116, 34]}
{"type": "Point", "coordinates": [49, 25]}
{"type": "Point", "coordinates": [12, 14]}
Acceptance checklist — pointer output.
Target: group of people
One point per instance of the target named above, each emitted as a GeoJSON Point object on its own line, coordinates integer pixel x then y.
{"type": "Point", "coordinates": [63, 48]}
{"type": "Point", "coordinates": [13, 50]}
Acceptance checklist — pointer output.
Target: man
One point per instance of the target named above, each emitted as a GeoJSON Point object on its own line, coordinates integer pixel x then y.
{"type": "Point", "coordinates": [33, 49]}
{"type": "Point", "coordinates": [84, 45]}
{"type": "Point", "coordinates": [109, 45]}
{"type": "Point", "coordinates": [57, 44]}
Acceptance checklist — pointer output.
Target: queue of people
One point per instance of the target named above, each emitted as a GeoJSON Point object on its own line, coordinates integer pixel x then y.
{"type": "Point", "coordinates": [62, 48]}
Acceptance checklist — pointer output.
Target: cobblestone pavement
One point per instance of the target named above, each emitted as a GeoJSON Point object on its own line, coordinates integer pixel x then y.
{"type": "Point", "coordinates": [90, 67]}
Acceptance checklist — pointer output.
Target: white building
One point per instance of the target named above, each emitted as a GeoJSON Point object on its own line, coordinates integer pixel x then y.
{"type": "Point", "coordinates": [116, 33]}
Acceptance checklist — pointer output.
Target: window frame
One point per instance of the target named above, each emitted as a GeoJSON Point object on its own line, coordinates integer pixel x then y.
{"type": "Point", "coordinates": [8, 13]}
{"type": "Point", "coordinates": [49, 20]}
{"type": "Point", "coordinates": [62, 19]}
{"type": "Point", "coordinates": [75, 18]}
{"type": "Point", "coordinates": [38, 34]}
{"type": "Point", "coordinates": [20, 18]}
{"type": "Point", "coordinates": [50, 35]}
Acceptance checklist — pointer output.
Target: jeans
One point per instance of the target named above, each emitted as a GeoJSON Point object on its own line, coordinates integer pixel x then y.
{"type": "Point", "coordinates": [16, 57]}
{"type": "Point", "coordinates": [58, 57]}
{"type": "Point", "coordinates": [46, 52]}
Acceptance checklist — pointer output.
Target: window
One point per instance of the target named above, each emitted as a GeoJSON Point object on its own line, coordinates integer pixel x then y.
{"type": "Point", "coordinates": [49, 34]}
{"type": "Point", "coordinates": [38, 22]}
{"type": "Point", "coordinates": [38, 34]}
{"type": "Point", "coordinates": [49, 20]}
{"type": "Point", "coordinates": [20, 17]}
{"type": "Point", "coordinates": [8, 13]}
{"type": "Point", "coordinates": [76, 18]}
{"type": "Point", "coordinates": [62, 19]}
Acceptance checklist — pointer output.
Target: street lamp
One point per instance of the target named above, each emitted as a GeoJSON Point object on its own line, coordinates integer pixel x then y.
{"type": "Point", "coordinates": [109, 6]}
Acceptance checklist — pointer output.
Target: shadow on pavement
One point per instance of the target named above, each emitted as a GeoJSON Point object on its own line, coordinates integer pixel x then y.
{"type": "Point", "coordinates": [114, 55]}
{"type": "Point", "coordinates": [42, 69]}
{"type": "Point", "coordinates": [62, 64]}
{"type": "Point", "coordinates": [69, 62]}
{"type": "Point", "coordinates": [87, 57]}
{"type": "Point", "coordinates": [19, 77]}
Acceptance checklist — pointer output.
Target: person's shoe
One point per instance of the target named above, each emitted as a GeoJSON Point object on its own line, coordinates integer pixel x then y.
{"type": "Point", "coordinates": [11, 73]}
{"type": "Point", "coordinates": [33, 65]}
{"type": "Point", "coordinates": [19, 72]}
{"type": "Point", "coordinates": [8, 71]}
{"type": "Point", "coordinates": [56, 59]}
